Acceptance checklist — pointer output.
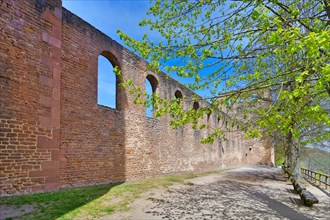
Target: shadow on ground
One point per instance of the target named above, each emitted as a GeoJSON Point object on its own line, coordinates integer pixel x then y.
{"type": "Point", "coordinates": [51, 205]}
{"type": "Point", "coordinates": [249, 193]}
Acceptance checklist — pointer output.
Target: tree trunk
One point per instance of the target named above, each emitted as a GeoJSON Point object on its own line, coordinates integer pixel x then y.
{"type": "Point", "coordinates": [288, 151]}
{"type": "Point", "coordinates": [292, 154]}
{"type": "Point", "coordinates": [295, 158]}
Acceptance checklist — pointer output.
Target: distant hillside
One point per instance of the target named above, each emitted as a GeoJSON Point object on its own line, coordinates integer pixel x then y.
{"type": "Point", "coordinates": [311, 158]}
{"type": "Point", "coordinates": [315, 159]}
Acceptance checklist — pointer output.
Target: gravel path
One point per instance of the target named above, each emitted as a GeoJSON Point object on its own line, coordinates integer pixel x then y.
{"type": "Point", "coordinates": [244, 193]}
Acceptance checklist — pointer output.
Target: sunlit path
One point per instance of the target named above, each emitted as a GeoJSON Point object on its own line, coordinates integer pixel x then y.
{"type": "Point", "coordinates": [242, 193]}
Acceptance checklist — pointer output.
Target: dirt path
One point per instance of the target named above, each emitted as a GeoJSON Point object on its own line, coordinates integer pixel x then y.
{"type": "Point", "coordinates": [244, 193]}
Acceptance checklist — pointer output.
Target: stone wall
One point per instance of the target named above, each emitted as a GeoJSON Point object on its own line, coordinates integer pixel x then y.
{"type": "Point", "coordinates": [53, 134]}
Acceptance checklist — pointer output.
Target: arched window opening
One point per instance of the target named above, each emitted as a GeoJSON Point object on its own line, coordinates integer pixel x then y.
{"type": "Point", "coordinates": [151, 87]}
{"type": "Point", "coordinates": [208, 117]}
{"type": "Point", "coordinates": [178, 96]}
{"type": "Point", "coordinates": [106, 81]}
{"type": "Point", "coordinates": [218, 120]}
{"type": "Point", "coordinates": [196, 105]}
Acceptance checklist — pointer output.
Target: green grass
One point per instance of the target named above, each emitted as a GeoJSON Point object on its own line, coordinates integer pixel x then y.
{"type": "Point", "coordinates": [90, 202]}
{"type": "Point", "coordinates": [55, 204]}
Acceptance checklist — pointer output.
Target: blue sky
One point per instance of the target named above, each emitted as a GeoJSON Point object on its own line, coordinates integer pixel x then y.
{"type": "Point", "coordinates": [109, 16]}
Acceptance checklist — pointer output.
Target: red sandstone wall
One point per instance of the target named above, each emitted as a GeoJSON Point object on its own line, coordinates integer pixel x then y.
{"type": "Point", "coordinates": [30, 60]}
{"type": "Point", "coordinates": [117, 144]}
{"type": "Point", "coordinates": [52, 132]}
{"type": "Point", "coordinates": [93, 137]}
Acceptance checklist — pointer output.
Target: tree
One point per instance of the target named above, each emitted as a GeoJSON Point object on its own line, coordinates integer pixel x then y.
{"type": "Point", "coordinates": [270, 57]}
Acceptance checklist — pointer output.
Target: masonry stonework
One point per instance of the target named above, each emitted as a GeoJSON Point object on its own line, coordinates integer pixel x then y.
{"type": "Point", "coordinates": [53, 134]}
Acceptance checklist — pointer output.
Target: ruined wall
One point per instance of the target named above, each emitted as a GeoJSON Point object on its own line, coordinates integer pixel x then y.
{"type": "Point", "coordinates": [52, 132]}
{"type": "Point", "coordinates": [30, 59]}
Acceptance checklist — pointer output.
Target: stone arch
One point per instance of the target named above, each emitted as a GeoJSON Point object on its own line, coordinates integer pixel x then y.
{"type": "Point", "coordinates": [151, 82]}
{"type": "Point", "coordinates": [178, 95]}
{"type": "Point", "coordinates": [195, 105]}
{"type": "Point", "coordinates": [208, 117]}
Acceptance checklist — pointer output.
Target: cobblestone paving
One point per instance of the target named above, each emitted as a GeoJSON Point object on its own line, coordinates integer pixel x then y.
{"type": "Point", "coordinates": [238, 195]}
{"type": "Point", "coordinates": [245, 193]}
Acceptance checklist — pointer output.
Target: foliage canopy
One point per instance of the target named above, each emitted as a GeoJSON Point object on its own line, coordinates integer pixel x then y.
{"type": "Point", "coordinates": [269, 60]}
